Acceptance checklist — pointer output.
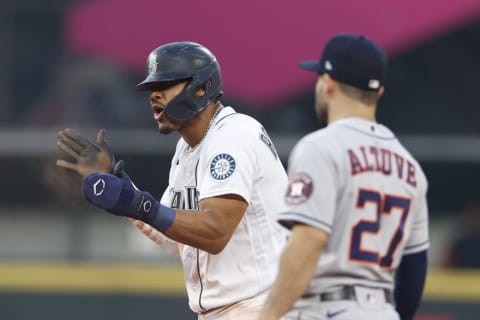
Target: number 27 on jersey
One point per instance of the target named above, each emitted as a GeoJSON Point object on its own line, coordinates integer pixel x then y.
{"type": "Point", "coordinates": [384, 205]}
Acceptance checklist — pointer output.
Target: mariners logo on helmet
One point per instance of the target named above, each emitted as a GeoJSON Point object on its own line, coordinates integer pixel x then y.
{"type": "Point", "coordinates": [152, 63]}
{"type": "Point", "coordinates": [299, 189]}
{"type": "Point", "coordinates": [222, 166]}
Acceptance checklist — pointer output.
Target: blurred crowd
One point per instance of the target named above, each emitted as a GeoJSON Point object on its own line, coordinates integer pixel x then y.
{"type": "Point", "coordinates": [44, 86]}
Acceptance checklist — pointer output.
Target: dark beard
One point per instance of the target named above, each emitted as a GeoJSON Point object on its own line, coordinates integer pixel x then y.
{"type": "Point", "coordinates": [323, 117]}
{"type": "Point", "coordinates": [322, 113]}
{"type": "Point", "coordinates": [167, 130]}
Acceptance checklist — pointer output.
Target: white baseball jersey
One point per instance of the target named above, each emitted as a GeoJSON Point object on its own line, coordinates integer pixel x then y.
{"type": "Point", "coordinates": [235, 157]}
{"type": "Point", "coordinates": [354, 180]}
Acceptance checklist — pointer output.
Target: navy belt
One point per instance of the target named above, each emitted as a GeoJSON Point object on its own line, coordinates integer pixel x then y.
{"type": "Point", "coordinates": [344, 293]}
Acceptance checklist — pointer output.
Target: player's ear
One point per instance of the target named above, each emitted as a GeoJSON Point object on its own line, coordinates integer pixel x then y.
{"type": "Point", "coordinates": [200, 92]}
{"type": "Point", "coordinates": [330, 86]}
{"type": "Point", "coordinates": [381, 91]}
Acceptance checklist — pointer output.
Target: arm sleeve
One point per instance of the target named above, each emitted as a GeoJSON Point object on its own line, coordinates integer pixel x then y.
{"type": "Point", "coordinates": [419, 237]}
{"type": "Point", "coordinates": [409, 283]}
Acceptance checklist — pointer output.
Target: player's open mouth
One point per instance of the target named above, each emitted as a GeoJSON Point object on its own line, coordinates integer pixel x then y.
{"type": "Point", "coordinates": [158, 111]}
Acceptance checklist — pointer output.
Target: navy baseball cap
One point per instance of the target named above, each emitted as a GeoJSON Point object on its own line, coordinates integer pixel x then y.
{"type": "Point", "coordinates": [351, 59]}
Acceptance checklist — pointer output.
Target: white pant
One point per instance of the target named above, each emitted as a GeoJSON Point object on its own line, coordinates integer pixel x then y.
{"type": "Point", "coordinates": [369, 305]}
{"type": "Point", "coordinates": [243, 310]}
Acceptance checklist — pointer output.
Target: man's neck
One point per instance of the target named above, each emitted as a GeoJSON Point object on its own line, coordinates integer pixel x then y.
{"type": "Point", "coordinates": [348, 108]}
{"type": "Point", "coordinates": [195, 129]}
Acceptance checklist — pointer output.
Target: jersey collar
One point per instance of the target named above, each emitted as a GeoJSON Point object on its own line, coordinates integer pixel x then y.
{"type": "Point", "coordinates": [366, 126]}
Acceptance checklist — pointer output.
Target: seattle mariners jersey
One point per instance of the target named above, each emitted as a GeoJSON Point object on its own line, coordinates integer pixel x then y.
{"type": "Point", "coordinates": [235, 157]}
{"type": "Point", "coordinates": [354, 180]}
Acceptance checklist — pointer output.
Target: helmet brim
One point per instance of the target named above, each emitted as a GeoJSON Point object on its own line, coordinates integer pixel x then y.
{"type": "Point", "coordinates": [163, 83]}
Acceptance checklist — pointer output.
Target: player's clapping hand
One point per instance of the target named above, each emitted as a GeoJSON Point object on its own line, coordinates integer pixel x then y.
{"type": "Point", "coordinates": [87, 157]}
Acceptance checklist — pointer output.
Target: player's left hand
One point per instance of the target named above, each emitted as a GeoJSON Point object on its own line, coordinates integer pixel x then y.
{"type": "Point", "coordinates": [87, 157]}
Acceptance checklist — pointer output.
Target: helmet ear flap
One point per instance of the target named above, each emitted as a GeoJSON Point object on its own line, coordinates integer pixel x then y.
{"type": "Point", "coordinates": [204, 88]}
{"type": "Point", "coordinates": [209, 84]}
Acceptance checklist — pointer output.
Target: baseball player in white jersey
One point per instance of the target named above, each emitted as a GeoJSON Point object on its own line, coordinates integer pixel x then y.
{"type": "Point", "coordinates": [356, 202]}
{"type": "Point", "coordinates": [226, 183]}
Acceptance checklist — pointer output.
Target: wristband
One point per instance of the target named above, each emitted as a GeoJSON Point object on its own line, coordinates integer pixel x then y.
{"type": "Point", "coordinates": [164, 219]}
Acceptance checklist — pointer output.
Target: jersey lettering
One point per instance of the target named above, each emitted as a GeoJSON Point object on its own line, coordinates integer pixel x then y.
{"type": "Point", "coordinates": [192, 198]}
{"type": "Point", "coordinates": [185, 199]}
{"type": "Point", "coordinates": [384, 205]}
{"type": "Point", "coordinates": [368, 166]}
{"type": "Point", "coordinates": [354, 163]}
{"type": "Point", "coordinates": [266, 139]}
{"type": "Point", "coordinates": [411, 179]}
{"type": "Point", "coordinates": [372, 159]}
{"type": "Point", "coordinates": [399, 162]}
{"type": "Point", "coordinates": [177, 200]}
{"type": "Point", "coordinates": [386, 166]}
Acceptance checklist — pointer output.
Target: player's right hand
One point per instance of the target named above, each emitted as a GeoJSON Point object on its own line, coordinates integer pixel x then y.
{"type": "Point", "coordinates": [87, 157]}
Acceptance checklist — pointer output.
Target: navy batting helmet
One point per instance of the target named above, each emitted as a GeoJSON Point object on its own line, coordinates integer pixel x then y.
{"type": "Point", "coordinates": [179, 61]}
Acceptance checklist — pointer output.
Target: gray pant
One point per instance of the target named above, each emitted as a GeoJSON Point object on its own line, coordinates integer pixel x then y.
{"type": "Point", "coordinates": [370, 304]}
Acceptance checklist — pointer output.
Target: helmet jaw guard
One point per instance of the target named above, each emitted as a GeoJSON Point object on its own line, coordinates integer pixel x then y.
{"type": "Point", "coordinates": [184, 61]}
{"type": "Point", "coordinates": [188, 103]}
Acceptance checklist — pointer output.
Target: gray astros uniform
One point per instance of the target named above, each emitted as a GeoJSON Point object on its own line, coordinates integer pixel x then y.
{"type": "Point", "coordinates": [354, 180]}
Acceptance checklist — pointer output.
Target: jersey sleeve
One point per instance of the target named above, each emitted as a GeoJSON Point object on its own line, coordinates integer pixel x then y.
{"type": "Point", "coordinates": [419, 238]}
{"type": "Point", "coordinates": [311, 193]}
{"type": "Point", "coordinates": [228, 167]}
